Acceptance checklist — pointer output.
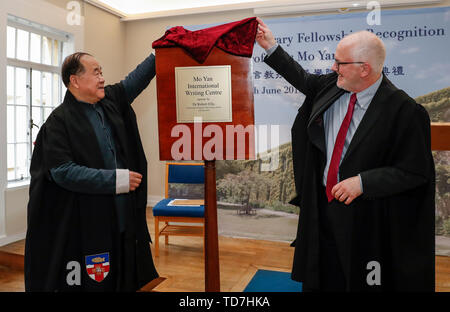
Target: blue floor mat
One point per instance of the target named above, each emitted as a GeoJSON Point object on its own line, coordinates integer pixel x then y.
{"type": "Point", "coordinates": [272, 281]}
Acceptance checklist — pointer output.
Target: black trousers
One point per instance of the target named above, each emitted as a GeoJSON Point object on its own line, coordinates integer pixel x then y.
{"type": "Point", "coordinates": [331, 274]}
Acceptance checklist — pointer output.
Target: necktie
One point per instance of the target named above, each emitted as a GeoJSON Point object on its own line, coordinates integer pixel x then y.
{"type": "Point", "coordinates": [338, 148]}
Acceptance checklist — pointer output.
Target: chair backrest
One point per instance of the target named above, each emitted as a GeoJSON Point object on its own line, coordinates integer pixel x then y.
{"type": "Point", "coordinates": [189, 173]}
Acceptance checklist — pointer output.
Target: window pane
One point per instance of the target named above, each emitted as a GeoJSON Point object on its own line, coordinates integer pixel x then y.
{"type": "Point", "coordinates": [63, 91]}
{"type": "Point", "coordinates": [36, 113]}
{"type": "Point", "coordinates": [21, 124]}
{"type": "Point", "coordinates": [55, 53]}
{"type": "Point", "coordinates": [47, 112]}
{"type": "Point", "coordinates": [10, 123]}
{"type": "Point", "coordinates": [10, 42]}
{"type": "Point", "coordinates": [46, 89]}
{"type": "Point", "coordinates": [21, 86]}
{"type": "Point", "coordinates": [37, 120]}
{"type": "Point", "coordinates": [67, 49]}
{"type": "Point", "coordinates": [34, 133]}
{"type": "Point", "coordinates": [22, 44]}
{"type": "Point", "coordinates": [35, 48]}
{"type": "Point", "coordinates": [36, 91]}
{"type": "Point", "coordinates": [10, 84]}
{"type": "Point", "coordinates": [11, 162]}
{"type": "Point", "coordinates": [32, 148]}
{"type": "Point", "coordinates": [46, 50]}
{"type": "Point", "coordinates": [22, 161]}
{"type": "Point", "coordinates": [56, 99]}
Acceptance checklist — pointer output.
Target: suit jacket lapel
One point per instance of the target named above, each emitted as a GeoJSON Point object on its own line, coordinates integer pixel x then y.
{"type": "Point", "coordinates": [324, 100]}
{"type": "Point", "coordinates": [371, 116]}
{"type": "Point", "coordinates": [315, 127]}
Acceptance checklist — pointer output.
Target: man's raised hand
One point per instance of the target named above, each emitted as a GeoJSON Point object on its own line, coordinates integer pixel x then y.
{"type": "Point", "coordinates": [264, 36]}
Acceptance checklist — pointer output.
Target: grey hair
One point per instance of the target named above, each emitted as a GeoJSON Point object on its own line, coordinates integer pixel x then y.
{"type": "Point", "coordinates": [367, 48]}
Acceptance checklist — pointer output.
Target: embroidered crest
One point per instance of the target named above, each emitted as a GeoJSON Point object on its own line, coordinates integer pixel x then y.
{"type": "Point", "coordinates": [97, 266]}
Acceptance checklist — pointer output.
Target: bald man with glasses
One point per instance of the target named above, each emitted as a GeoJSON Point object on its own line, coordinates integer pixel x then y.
{"type": "Point", "coordinates": [364, 173]}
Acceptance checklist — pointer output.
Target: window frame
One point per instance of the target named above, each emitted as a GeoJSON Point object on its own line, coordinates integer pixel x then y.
{"type": "Point", "coordinates": [64, 46]}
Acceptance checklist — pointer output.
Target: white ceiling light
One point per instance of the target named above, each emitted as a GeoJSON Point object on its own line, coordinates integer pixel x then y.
{"type": "Point", "coordinates": [141, 9]}
{"type": "Point", "coordinates": [340, 6]}
{"type": "Point", "coordinates": [129, 8]}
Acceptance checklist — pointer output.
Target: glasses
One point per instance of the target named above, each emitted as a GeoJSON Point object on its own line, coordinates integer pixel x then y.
{"type": "Point", "coordinates": [345, 63]}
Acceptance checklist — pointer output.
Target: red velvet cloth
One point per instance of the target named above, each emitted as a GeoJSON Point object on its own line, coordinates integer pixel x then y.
{"type": "Point", "coordinates": [235, 38]}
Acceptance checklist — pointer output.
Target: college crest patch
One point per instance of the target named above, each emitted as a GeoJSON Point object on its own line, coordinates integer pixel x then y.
{"type": "Point", "coordinates": [97, 266]}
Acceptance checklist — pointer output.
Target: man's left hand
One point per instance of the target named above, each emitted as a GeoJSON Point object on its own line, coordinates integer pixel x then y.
{"type": "Point", "coordinates": [347, 190]}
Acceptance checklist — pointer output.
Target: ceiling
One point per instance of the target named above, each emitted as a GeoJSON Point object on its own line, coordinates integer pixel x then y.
{"type": "Point", "coordinates": [142, 9]}
{"type": "Point", "coordinates": [129, 7]}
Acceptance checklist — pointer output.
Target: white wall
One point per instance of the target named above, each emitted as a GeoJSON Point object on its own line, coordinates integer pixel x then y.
{"type": "Point", "coordinates": [105, 39]}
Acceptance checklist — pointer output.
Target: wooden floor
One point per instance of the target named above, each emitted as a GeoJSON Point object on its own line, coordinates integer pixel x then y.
{"type": "Point", "coordinates": [181, 263]}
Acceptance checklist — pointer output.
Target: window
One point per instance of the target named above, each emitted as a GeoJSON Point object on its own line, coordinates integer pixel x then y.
{"type": "Point", "coordinates": [34, 87]}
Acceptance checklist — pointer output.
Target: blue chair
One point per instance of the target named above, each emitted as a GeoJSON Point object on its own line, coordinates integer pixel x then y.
{"type": "Point", "coordinates": [183, 173]}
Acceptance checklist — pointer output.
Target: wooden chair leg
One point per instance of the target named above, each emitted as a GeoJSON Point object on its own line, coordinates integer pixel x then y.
{"type": "Point", "coordinates": [166, 238]}
{"type": "Point", "coordinates": [156, 236]}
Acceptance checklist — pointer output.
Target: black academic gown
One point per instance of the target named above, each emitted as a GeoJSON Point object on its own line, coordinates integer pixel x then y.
{"type": "Point", "coordinates": [64, 227]}
{"type": "Point", "coordinates": [392, 222]}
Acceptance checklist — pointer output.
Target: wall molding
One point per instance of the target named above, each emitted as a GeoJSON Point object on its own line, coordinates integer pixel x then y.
{"type": "Point", "coordinates": [5, 240]}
